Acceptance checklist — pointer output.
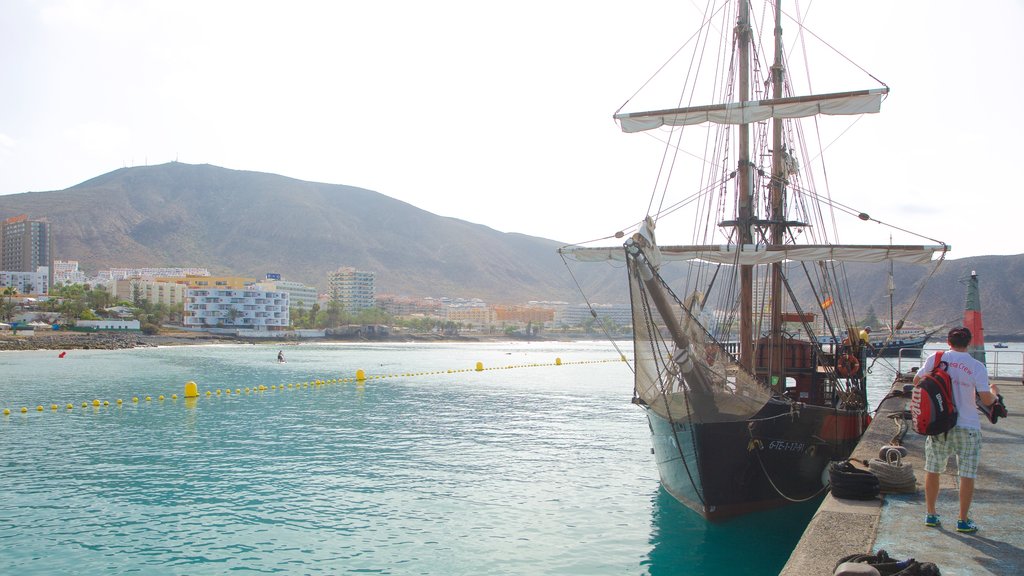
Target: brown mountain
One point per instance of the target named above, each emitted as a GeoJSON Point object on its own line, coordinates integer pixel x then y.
{"type": "Point", "coordinates": [249, 223]}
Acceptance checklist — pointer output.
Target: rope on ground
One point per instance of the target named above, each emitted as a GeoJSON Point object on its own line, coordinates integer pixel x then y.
{"type": "Point", "coordinates": [852, 483]}
{"type": "Point", "coordinates": [894, 475]}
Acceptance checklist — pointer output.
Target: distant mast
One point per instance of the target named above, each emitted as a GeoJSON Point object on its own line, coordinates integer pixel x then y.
{"type": "Point", "coordinates": [972, 319]}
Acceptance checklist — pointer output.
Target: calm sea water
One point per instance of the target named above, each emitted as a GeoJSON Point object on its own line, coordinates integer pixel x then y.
{"type": "Point", "coordinates": [526, 470]}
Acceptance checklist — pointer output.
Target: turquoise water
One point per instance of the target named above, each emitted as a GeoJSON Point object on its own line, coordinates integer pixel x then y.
{"type": "Point", "coordinates": [528, 470]}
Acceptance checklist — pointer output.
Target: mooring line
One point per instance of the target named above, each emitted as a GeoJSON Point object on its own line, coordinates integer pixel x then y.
{"type": "Point", "coordinates": [192, 390]}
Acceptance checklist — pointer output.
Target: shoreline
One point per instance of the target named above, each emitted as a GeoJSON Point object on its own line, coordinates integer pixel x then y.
{"type": "Point", "coordinates": [119, 341]}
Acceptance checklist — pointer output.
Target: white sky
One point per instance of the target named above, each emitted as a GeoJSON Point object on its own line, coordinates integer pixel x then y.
{"type": "Point", "coordinates": [495, 113]}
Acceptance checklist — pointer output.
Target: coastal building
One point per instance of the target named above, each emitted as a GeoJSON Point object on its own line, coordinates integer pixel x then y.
{"type": "Point", "coordinates": [405, 307]}
{"type": "Point", "coordinates": [37, 282]}
{"type": "Point", "coordinates": [25, 246]}
{"type": "Point", "coordinates": [149, 273]}
{"type": "Point", "coordinates": [520, 314]}
{"type": "Point", "coordinates": [107, 324]}
{"type": "Point", "coordinates": [217, 282]}
{"type": "Point", "coordinates": [248, 308]}
{"type": "Point", "coordinates": [579, 314]}
{"type": "Point", "coordinates": [476, 314]}
{"type": "Point", "coordinates": [152, 291]}
{"type": "Point", "coordinates": [353, 289]}
{"type": "Point", "coordinates": [67, 272]}
{"type": "Point", "coordinates": [300, 295]}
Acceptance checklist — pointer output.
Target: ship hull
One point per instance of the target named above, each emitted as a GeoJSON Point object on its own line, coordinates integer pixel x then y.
{"type": "Point", "coordinates": [727, 469]}
{"type": "Point", "coordinates": [894, 348]}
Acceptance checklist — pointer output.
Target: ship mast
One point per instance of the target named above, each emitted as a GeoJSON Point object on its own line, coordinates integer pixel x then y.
{"type": "Point", "coordinates": [777, 203]}
{"type": "Point", "coordinates": [745, 194]}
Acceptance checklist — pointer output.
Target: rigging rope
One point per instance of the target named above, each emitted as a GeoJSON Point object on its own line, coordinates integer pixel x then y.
{"type": "Point", "coordinates": [594, 313]}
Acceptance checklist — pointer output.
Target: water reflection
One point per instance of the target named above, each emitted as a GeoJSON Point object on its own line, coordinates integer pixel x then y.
{"type": "Point", "coordinates": [684, 543]}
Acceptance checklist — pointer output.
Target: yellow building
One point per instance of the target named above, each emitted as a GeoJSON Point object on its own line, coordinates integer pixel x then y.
{"type": "Point", "coordinates": [152, 291]}
{"type": "Point", "coordinates": [524, 314]}
{"type": "Point", "coordinates": [470, 315]}
{"type": "Point", "coordinates": [211, 282]}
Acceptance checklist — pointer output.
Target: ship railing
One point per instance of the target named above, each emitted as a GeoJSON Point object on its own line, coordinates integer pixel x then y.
{"type": "Point", "coordinates": [1008, 364]}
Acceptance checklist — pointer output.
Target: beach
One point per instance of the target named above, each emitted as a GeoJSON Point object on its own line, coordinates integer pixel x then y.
{"type": "Point", "coordinates": [68, 340]}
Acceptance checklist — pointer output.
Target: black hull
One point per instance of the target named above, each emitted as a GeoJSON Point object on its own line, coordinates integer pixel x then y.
{"type": "Point", "coordinates": [723, 470]}
{"type": "Point", "coordinates": [893, 349]}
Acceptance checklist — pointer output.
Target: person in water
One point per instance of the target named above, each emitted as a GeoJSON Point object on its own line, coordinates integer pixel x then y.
{"type": "Point", "coordinates": [280, 355]}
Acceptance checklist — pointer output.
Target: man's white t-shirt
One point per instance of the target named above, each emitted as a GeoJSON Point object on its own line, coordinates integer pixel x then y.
{"type": "Point", "coordinates": [968, 376]}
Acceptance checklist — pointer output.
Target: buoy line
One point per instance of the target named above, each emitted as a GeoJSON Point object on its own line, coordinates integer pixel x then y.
{"type": "Point", "coordinates": [192, 389]}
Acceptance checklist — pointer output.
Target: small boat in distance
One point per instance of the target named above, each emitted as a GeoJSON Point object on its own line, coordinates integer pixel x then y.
{"type": "Point", "coordinates": [1001, 345]}
{"type": "Point", "coordinates": [745, 406]}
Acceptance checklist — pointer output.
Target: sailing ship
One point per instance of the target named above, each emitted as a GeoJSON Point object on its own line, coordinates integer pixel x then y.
{"type": "Point", "coordinates": [892, 343]}
{"type": "Point", "coordinates": [896, 342]}
{"type": "Point", "coordinates": [746, 407]}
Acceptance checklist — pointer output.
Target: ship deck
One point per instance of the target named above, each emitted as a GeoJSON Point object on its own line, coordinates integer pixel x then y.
{"type": "Point", "coordinates": [895, 522]}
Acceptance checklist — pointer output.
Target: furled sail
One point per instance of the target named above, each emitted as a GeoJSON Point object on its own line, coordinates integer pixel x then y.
{"type": "Point", "coordinates": [750, 254]}
{"type": "Point", "coordinates": [682, 372]}
{"type": "Point", "coordinates": [837, 104]}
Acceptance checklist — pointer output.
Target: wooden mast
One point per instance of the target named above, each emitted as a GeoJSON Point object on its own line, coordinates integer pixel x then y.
{"type": "Point", "coordinates": [745, 192]}
{"type": "Point", "coordinates": [778, 216]}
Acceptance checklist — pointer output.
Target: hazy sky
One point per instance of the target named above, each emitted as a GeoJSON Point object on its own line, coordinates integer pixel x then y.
{"type": "Point", "coordinates": [497, 113]}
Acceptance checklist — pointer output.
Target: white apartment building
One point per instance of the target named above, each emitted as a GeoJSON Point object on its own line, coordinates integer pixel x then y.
{"type": "Point", "coordinates": [67, 272]}
{"type": "Point", "coordinates": [37, 282]}
{"type": "Point", "coordinates": [107, 276]}
{"type": "Point", "coordinates": [299, 295]}
{"type": "Point", "coordinates": [236, 308]}
{"type": "Point", "coordinates": [578, 314]}
{"type": "Point", "coordinates": [353, 289]}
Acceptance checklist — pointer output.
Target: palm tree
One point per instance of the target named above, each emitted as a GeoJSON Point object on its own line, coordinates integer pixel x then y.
{"type": "Point", "coordinates": [7, 304]}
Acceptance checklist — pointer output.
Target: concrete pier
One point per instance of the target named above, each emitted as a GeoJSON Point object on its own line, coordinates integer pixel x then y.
{"type": "Point", "coordinates": [895, 522]}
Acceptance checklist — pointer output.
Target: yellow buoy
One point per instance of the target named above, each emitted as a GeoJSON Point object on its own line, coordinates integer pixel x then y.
{"type": "Point", "coordinates": [558, 361]}
{"type": "Point", "coordinates": [7, 411]}
{"type": "Point", "coordinates": [95, 402]}
{"type": "Point", "coordinates": [191, 390]}
{"type": "Point", "coordinates": [53, 406]}
{"type": "Point", "coordinates": [479, 366]}
{"type": "Point", "coordinates": [24, 410]}
{"type": "Point", "coordinates": [106, 403]}
{"type": "Point", "coordinates": [70, 406]}
{"type": "Point", "coordinates": [174, 396]}
{"type": "Point", "coordinates": [84, 404]}
{"type": "Point", "coordinates": [135, 399]}
{"type": "Point", "coordinates": [119, 401]}
{"type": "Point", "coordinates": [149, 398]}
{"type": "Point", "coordinates": [208, 392]}
{"type": "Point", "coordinates": [39, 408]}
{"type": "Point", "coordinates": [238, 390]}
{"type": "Point", "coordinates": [160, 398]}
{"type": "Point", "coordinates": [360, 376]}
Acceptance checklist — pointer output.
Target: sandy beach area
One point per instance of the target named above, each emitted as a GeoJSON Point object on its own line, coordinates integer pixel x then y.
{"type": "Point", "coordinates": [66, 340]}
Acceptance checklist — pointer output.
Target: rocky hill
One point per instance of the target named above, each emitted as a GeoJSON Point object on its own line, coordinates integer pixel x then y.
{"type": "Point", "coordinates": [250, 223]}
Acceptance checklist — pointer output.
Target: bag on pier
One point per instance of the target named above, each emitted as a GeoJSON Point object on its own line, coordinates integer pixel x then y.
{"type": "Point", "coordinates": [931, 405]}
{"type": "Point", "coordinates": [884, 566]}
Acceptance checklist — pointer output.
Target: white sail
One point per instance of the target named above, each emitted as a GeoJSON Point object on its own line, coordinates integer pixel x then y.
{"type": "Point", "coordinates": [750, 254]}
{"type": "Point", "coordinates": [837, 104]}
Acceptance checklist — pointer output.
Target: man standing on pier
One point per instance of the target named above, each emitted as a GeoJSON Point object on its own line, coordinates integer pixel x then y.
{"type": "Point", "coordinates": [968, 377]}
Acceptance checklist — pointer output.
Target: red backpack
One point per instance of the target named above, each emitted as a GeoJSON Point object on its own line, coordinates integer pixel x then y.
{"type": "Point", "coordinates": [931, 404]}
